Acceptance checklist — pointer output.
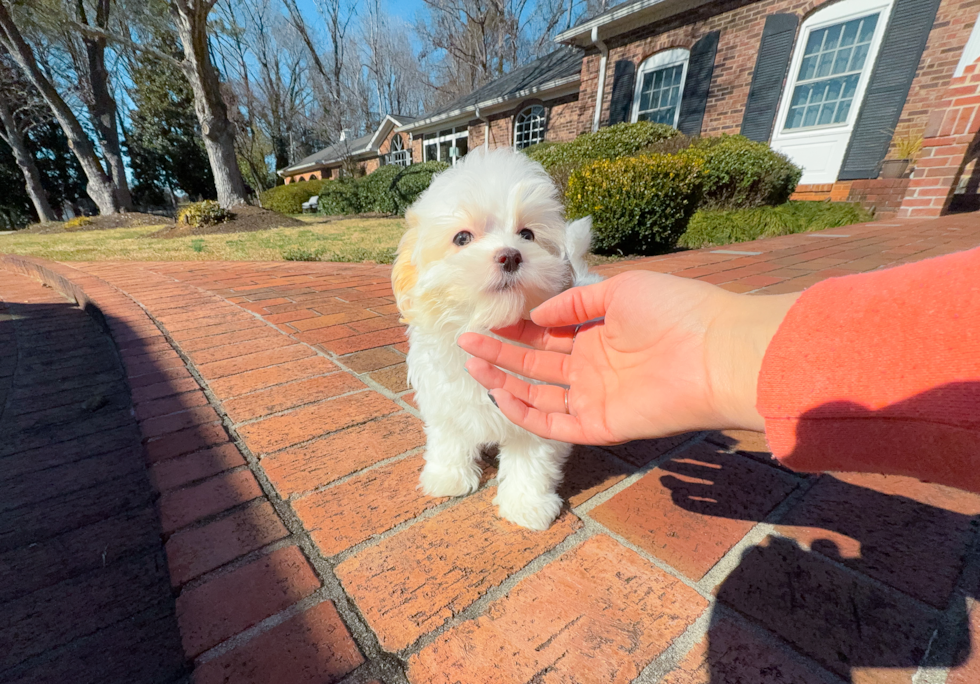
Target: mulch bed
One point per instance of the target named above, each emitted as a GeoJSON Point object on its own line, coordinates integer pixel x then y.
{"type": "Point", "coordinates": [245, 220]}
{"type": "Point", "coordinates": [133, 219]}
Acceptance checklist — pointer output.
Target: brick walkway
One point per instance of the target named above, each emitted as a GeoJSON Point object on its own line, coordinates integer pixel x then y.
{"type": "Point", "coordinates": [281, 436]}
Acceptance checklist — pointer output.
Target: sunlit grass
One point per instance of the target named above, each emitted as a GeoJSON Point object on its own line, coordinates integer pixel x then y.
{"type": "Point", "coordinates": [347, 240]}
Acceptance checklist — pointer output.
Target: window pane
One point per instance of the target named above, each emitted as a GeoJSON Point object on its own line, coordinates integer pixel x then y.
{"type": "Point", "coordinates": [829, 72]}
{"type": "Point", "coordinates": [660, 95]}
{"type": "Point", "coordinates": [529, 127]}
{"type": "Point", "coordinates": [461, 143]}
{"type": "Point", "coordinates": [431, 153]}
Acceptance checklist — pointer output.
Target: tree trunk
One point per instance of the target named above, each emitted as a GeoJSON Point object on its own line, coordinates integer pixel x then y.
{"type": "Point", "coordinates": [25, 160]}
{"type": "Point", "coordinates": [99, 186]}
{"type": "Point", "coordinates": [103, 107]}
{"type": "Point", "coordinates": [218, 132]}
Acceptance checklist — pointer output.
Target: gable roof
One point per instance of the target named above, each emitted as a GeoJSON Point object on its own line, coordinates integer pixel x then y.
{"type": "Point", "coordinates": [332, 154]}
{"type": "Point", "coordinates": [625, 17]}
{"type": "Point", "coordinates": [559, 68]}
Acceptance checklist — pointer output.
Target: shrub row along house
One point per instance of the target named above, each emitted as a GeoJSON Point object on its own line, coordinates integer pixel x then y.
{"type": "Point", "coordinates": [856, 92]}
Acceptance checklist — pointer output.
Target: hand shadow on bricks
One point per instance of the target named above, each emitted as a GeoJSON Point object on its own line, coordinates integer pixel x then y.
{"type": "Point", "coordinates": [84, 590]}
{"type": "Point", "coordinates": [855, 577]}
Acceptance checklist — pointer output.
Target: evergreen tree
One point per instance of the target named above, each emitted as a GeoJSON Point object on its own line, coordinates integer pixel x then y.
{"type": "Point", "coordinates": [164, 137]}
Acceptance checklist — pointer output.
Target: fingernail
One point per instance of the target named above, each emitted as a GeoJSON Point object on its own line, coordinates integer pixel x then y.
{"type": "Point", "coordinates": [492, 399]}
{"type": "Point", "coordinates": [467, 370]}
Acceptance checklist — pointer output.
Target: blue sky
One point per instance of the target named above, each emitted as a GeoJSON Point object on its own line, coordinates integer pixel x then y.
{"type": "Point", "coordinates": [401, 8]}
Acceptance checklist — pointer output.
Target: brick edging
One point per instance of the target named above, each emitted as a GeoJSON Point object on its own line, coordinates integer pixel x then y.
{"type": "Point", "coordinates": [276, 560]}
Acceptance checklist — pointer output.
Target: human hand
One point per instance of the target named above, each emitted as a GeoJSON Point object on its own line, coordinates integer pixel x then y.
{"type": "Point", "coordinates": [670, 355]}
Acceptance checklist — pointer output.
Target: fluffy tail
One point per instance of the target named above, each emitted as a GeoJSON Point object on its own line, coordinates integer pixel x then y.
{"type": "Point", "coordinates": [578, 239]}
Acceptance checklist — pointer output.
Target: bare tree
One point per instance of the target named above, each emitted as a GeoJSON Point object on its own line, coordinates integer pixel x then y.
{"type": "Point", "coordinates": [191, 17]}
{"type": "Point", "coordinates": [16, 103]}
{"type": "Point", "coordinates": [99, 187]}
{"type": "Point", "coordinates": [98, 98]}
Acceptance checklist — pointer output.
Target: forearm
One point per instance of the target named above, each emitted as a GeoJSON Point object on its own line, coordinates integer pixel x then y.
{"type": "Point", "coordinates": [880, 372]}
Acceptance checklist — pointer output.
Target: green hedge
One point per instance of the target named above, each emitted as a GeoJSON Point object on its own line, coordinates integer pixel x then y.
{"type": "Point", "coordinates": [288, 199]}
{"type": "Point", "coordinates": [389, 190]}
{"type": "Point", "coordinates": [561, 160]}
{"type": "Point", "coordinates": [713, 227]}
{"type": "Point", "coordinates": [740, 173]}
{"type": "Point", "coordinates": [639, 205]}
{"type": "Point", "coordinates": [339, 197]}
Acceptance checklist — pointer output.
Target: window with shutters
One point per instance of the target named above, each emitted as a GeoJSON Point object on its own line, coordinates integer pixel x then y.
{"type": "Point", "coordinates": [529, 126]}
{"type": "Point", "coordinates": [834, 59]}
{"type": "Point", "coordinates": [834, 54]}
{"type": "Point", "coordinates": [659, 85]}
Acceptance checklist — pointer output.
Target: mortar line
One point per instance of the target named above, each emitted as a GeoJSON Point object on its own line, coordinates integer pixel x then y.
{"type": "Point", "coordinates": [363, 636]}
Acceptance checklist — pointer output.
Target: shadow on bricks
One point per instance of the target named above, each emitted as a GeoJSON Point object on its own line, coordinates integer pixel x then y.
{"type": "Point", "coordinates": [866, 574]}
{"type": "Point", "coordinates": [136, 543]}
{"type": "Point", "coordinates": [85, 594]}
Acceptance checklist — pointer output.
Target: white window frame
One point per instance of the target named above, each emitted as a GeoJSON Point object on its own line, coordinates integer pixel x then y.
{"type": "Point", "coordinates": [661, 60]}
{"type": "Point", "coordinates": [838, 13]}
{"type": "Point", "coordinates": [529, 111]}
{"type": "Point", "coordinates": [453, 135]}
{"type": "Point", "coordinates": [820, 150]}
{"type": "Point", "coordinates": [400, 156]}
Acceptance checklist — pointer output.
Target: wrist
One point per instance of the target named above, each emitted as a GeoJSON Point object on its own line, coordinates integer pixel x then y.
{"type": "Point", "coordinates": [737, 340]}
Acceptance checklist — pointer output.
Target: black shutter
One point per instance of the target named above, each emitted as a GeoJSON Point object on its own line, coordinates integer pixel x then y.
{"type": "Point", "coordinates": [901, 49]}
{"type": "Point", "coordinates": [621, 105]}
{"type": "Point", "coordinates": [700, 66]}
{"type": "Point", "coordinates": [771, 64]}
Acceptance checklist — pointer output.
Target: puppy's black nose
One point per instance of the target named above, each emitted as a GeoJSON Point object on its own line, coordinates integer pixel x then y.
{"type": "Point", "coordinates": [509, 259]}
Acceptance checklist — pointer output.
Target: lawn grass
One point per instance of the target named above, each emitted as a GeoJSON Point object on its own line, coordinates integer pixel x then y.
{"type": "Point", "coordinates": [375, 239]}
{"type": "Point", "coordinates": [346, 240]}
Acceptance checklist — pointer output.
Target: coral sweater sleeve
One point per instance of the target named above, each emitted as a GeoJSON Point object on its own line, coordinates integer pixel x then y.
{"type": "Point", "coordinates": [880, 372]}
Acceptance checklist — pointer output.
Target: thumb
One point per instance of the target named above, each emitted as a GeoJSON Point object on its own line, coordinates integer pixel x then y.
{"type": "Point", "coordinates": [574, 306]}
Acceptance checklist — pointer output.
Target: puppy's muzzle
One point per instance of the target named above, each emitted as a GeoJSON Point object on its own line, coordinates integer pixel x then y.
{"type": "Point", "coordinates": [509, 259]}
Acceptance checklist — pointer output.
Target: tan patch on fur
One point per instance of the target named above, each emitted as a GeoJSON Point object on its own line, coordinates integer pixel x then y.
{"type": "Point", "coordinates": [404, 275]}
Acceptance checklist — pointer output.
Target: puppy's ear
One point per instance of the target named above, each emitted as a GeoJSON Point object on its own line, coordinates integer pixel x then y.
{"type": "Point", "coordinates": [403, 273]}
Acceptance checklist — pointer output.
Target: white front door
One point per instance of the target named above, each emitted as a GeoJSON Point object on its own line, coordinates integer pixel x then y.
{"type": "Point", "coordinates": [832, 63]}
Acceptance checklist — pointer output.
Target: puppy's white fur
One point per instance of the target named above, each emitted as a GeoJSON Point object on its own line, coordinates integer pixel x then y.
{"type": "Point", "coordinates": [444, 289]}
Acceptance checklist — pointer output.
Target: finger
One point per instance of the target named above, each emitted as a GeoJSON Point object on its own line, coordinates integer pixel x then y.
{"type": "Point", "coordinates": [557, 426]}
{"type": "Point", "coordinates": [574, 306]}
{"type": "Point", "coordinates": [544, 366]}
{"type": "Point", "coordinates": [547, 398]}
{"type": "Point", "coordinates": [550, 339]}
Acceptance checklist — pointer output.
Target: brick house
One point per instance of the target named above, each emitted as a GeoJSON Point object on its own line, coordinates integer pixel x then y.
{"type": "Point", "coordinates": [833, 84]}
{"type": "Point", "coordinates": [539, 101]}
{"type": "Point", "coordinates": [382, 146]}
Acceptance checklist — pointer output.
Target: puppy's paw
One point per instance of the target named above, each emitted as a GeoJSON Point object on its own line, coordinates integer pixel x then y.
{"type": "Point", "coordinates": [439, 480]}
{"type": "Point", "coordinates": [533, 511]}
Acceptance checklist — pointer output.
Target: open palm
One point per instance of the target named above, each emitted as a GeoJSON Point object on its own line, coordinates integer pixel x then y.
{"type": "Point", "coordinates": [641, 371]}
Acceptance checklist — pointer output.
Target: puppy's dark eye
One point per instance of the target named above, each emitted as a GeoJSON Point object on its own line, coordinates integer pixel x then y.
{"type": "Point", "coordinates": [527, 234]}
{"type": "Point", "coordinates": [463, 238]}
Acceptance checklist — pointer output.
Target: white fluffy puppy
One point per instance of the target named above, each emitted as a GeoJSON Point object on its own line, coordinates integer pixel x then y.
{"type": "Point", "coordinates": [486, 243]}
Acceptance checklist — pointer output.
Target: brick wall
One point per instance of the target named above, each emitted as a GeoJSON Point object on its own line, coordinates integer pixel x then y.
{"type": "Point", "coordinates": [882, 195]}
{"type": "Point", "coordinates": [741, 23]}
{"type": "Point", "coordinates": [564, 123]}
{"type": "Point", "coordinates": [947, 168]}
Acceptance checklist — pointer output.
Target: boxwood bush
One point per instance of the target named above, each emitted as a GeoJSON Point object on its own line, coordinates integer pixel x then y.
{"type": "Point", "coordinates": [639, 205]}
{"type": "Point", "coordinates": [288, 199]}
{"type": "Point", "coordinates": [389, 190]}
{"type": "Point", "coordinates": [561, 160]}
{"type": "Point", "coordinates": [740, 173]}
{"type": "Point", "coordinates": [202, 214]}
{"type": "Point", "coordinates": [339, 197]}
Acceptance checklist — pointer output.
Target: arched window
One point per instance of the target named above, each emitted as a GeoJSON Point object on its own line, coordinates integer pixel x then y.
{"type": "Point", "coordinates": [529, 126]}
{"type": "Point", "coordinates": [659, 85]}
{"type": "Point", "coordinates": [397, 154]}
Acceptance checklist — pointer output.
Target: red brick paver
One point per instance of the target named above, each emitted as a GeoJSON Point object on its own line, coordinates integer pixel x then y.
{"type": "Point", "coordinates": [284, 442]}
